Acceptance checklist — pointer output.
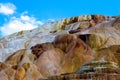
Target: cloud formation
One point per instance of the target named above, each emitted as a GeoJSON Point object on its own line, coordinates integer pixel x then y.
{"type": "Point", "coordinates": [15, 24]}
{"type": "Point", "coordinates": [24, 22]}
{"type": "Point", "coordinates": [7, 8]}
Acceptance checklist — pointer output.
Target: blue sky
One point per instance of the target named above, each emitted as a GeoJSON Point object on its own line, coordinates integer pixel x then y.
{"type": "Point", "coordinates": [34, 13]}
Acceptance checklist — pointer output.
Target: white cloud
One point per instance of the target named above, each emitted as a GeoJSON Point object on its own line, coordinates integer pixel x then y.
{"type": "Point", "coordinates": [24, 22]}
{"type": "Point", "coordinates": [50, 20]}
{"type": "Point", "coordinates": [7, 8]}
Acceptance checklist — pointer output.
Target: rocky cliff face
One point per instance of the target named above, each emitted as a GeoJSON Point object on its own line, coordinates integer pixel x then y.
{"type": "Point", "coordinates": [71, 48]}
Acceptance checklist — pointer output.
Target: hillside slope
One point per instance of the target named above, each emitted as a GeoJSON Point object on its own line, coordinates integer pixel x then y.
{"type": "Point", "coordinates": [64, 49]}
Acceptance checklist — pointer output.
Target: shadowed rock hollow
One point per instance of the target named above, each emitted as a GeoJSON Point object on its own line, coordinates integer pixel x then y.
{"type": "Point", "coordinates": [70, 48]}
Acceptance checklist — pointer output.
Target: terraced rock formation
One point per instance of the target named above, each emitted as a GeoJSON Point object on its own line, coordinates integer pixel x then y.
{"type": "Point", "coordinates": [82, 47]}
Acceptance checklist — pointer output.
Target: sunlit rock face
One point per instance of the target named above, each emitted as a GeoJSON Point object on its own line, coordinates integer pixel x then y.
{"type": "Point", "coordinates": [64, 55]}
{"type": "Point", "coordinates": [99, 67]}
{"type": "Point", "coordinates": [63, 50]}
